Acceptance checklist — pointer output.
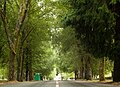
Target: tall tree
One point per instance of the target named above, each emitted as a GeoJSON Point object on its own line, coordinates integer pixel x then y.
{"type": "Point", "coordinates": [13, 39]}
{"type": "Point", "coordinates": [115, 7]}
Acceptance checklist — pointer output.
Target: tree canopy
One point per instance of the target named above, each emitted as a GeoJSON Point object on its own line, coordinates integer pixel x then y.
{"type": "Point", "coordinates": [77, 36]}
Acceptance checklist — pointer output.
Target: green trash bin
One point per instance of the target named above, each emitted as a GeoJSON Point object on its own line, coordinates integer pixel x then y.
{"type": "Point", "coordinates": [37, 77]}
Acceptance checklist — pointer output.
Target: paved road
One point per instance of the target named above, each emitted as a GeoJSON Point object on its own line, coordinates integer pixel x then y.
{"type": "Point", "coordinates": [83, 84]}
{"type": "Point", "coordinates": [57, 84]}
{"type": "Point", "coordinates": [31, 84]}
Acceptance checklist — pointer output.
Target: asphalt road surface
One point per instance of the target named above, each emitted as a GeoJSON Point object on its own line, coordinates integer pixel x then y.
{"type": "Point", "coordinates": [56, 84]}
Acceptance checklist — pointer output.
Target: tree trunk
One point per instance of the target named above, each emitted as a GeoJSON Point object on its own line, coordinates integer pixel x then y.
{"type": "Point", "coordinates": [18, 70]}
{"type": "Point", "coordinates": [20, 62]}
{"type": "Point", "coordinates": [20, 59]}
{"type": "Point", "coordinates": [22, 66]}
{"type": "Point", "coordinates": [76, 74]}
{"type": "Point", "coordinates": [11, 76]}
{"type": "Point", "coordinates": [101, 69]}
{"type": "Point", "coordinates": [82, 69]}
{"type": "Point", "coordinates": [88, 71]}
{"type": "Point", "coordinates": [116, 74]}
{"type": "Point", "coordinates": [29, 73]}
{"type": "Point", "coordinates": [30, 70]}
{"type": "Point", "coordinates": [27, 64]}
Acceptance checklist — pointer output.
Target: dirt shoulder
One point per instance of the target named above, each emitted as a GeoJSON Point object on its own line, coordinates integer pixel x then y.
{"type": "Point", "coordinates": [110, 82]}
{"type": "Point", "coordinates": [8, 82]}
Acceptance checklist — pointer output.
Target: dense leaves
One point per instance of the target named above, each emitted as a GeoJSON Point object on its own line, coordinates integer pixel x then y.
{"type": "Point", "coordinates": [94, 24]}
{"type": "Point", "coordinates": [70, 35]}
{"type": "Point", "coordinates": [97, 25]}
{"type": "Point", "coordinates": [27, 25]}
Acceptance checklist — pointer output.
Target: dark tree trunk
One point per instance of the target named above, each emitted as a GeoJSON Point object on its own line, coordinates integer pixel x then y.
{"type": "Point", "coordinates": [101, 69]}
{"type": "Point", "coordinates": [30, 70]}
{"type": "Point", "coordinates": [27, 64]}
{"type": "Point", "coordinates": [76, 74]}
{"type": "Point", "coordinates": [116, 75]}
{"type": "Point", "coordinates": [29, 73]}
{"type": "Point", "coordinates": [18, 71]}
{"type": "Point", "coordinates": [82, 69]}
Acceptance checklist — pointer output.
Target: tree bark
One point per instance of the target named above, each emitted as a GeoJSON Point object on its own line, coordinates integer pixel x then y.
{"type": "Point", "coordinates": [11, 76]}
{"type": "Point", "coordinates": [19, 62]}
{"type": "Point", "coordinates": [29, 73]}
{"type": "Point", "coordinates": [30, 70]}
{"type": "Point", "coordinates": [27, 64]}
{"type": "Point", "coordinates": [22, 66]}
{"type": "Point", "coordinates": [82, 69]}
{"type": "Point", "coordinates": [116, 74]}
{"type": "Point", "coordinates": [76, 74]}
{"type": "Point", "coordinates": [101, 69]}
{"type": "Point", "coordinates": [88, 71]}
{"type": "Point", "coordinates": [20, 59]}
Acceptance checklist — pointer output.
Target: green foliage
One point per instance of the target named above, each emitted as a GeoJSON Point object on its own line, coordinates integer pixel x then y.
{"type": "Point", "coordinates": [94, 24]}
{"type": "Point", "coordinates": [95, 67]}
{"type": "Point", "coordinates": [69, 52]}
{"type": "Point", "coordinates": [40, 38]}
{"type": "Point", "coordinates": [87, 27]}
{"type": "Point", "coordinates": [114, 1]}
{"type": "Point", "coordinates": [108, 66]}
{"type": "Point", "coordinates": [35, 34]}
{"type": "Point", "coordinates": [4, 51]}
